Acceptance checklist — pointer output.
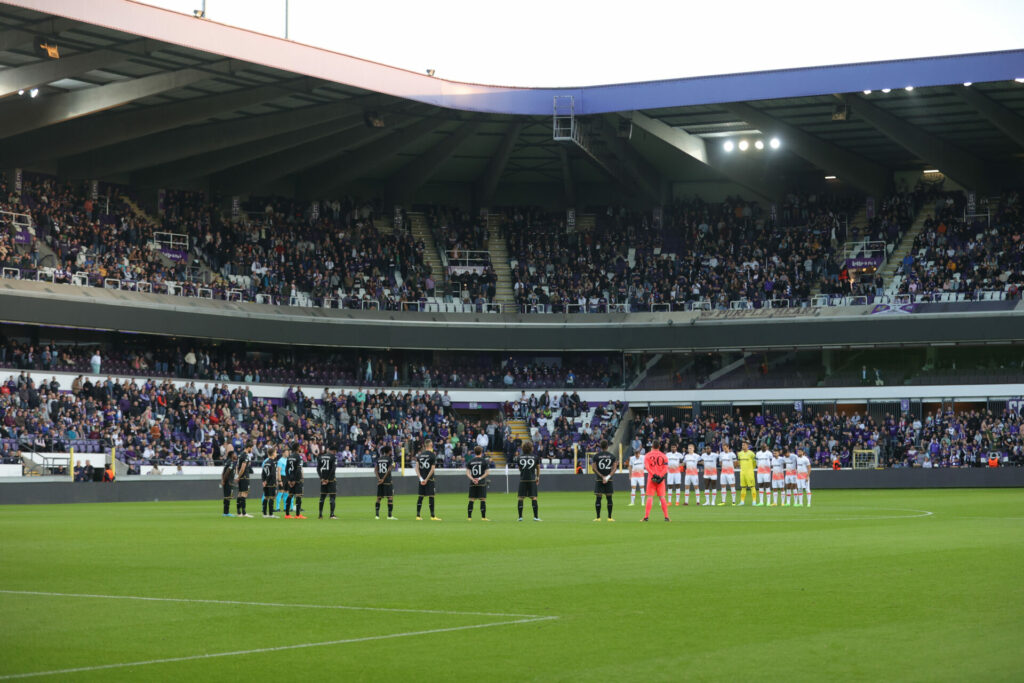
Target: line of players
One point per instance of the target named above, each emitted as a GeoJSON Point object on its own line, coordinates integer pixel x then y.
{"type": "Point", "coordinates": [771, 479]}
{"type": "Point", "coordinates": [780, 480]}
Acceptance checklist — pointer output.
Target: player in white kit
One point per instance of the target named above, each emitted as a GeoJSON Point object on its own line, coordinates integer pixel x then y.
{"type": "Point", "coordinates": [636, 478]}
{"type": "Point", "coordinates": [675, 477]}
{"type": "Point", "coordinates": [727, 477]}
{"type": "Point", "coordinates": [710, 461]}
{"type": "Point", "coordinates": [763, 462]}
{"type": "Point", "coordinates": [778, 479]}
{"type": "Point", "coordinates": [803, 477]}
{"type": "Point", "coordinates": [790, 477]}
{"type": "Point", "coordinates": [691, 476]}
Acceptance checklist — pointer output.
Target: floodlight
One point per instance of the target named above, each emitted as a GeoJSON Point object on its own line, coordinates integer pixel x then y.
{"type": "Point", "coordinates": [775, 143]}
{"type": "Point", "coordinates": [33, 92]}
{"type": "Point", "coordinates": [886, 89]}
{"type": "Point", "coordinates": [909, 88]}
{"type": "Point", "coordinates": [867, 92]}
{"type": "Point", "coordinates": [758, 145]}
{"type": "Point", "coordinates": [727, 145]}
{"type": "Point", "coordinates": [967, 84]}
{"type": "Point", "coordinates": [830, 177]}
{"type": "Point", "coordinates": [744, 145]}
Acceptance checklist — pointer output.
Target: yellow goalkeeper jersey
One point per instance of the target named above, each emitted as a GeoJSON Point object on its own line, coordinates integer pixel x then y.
{"type": "Point", "coordinates": [746, 459]}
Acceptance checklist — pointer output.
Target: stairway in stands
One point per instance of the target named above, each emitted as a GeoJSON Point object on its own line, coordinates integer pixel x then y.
{"type": "Point", "coordinates": [890, 278]}
{"type": "Point", "coordinates": [497, 247]}
{"type": "Point", "coordinates": [518, 430]}
{"type": "Point", "coordinates": [859, 223]}
{"type": "Point", "coordinates": [432, 257]}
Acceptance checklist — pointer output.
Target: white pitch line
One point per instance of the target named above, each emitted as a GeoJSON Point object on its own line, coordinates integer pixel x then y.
{"type": "Point", "coordinates": [274, 604]}
{"type": "Point", "coordinates": [279, 648]}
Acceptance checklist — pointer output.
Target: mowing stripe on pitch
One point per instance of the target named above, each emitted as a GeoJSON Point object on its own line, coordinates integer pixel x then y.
{"type": "Point", "coordinates": [275, 604]}
{"type": "Point", "coordinates": [279, 648]}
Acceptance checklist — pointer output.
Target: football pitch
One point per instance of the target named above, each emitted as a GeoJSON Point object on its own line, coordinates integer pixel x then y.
{"type": "Point", "coordinates": [865, 585]}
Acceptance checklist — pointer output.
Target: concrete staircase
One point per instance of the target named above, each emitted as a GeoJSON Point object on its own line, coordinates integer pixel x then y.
{"type": "Point", "coordinates": [858, 222]}
{"type": "Point", "coordinates": [889, 277]}
{"type": "Point", "coordinates": [431, 255]}
{"type": "Point", "coordinates": [497, 247]}
{"type": "Point", "coordinates": [518, 430]}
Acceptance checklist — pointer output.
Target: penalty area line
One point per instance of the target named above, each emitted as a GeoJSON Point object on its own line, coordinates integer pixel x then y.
{"type": "Point", "coordinates": [279, 648]}
{"type": "Point", "coordinates": [244, 603]}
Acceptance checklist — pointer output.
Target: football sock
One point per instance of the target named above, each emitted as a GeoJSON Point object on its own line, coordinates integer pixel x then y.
{"type": "Point", "coordinates": [536, 509]}
{"type": "Point", "coordinates": [227, 506]}
{"type": "Point", "coordinates": [430, 502]}
{"type": "Point", "coordinates": [609, 501]}
{"type": "Point", "coordinates": [664, 507]}
{"type": "Point", "coordinates": [520, 507]}
{"type": "Point", "coordinates": [332, 504]}
{"type": "Point", "coordinates": [419, 505]}
{"type": "Point", "coordinates": [734, 496]}
{"type": "Point", "coordinates": [647, 507]}
{"type": "Point", "coordinates": [597, 507]}
{"type": "Point", "coordinates": [376, 509]}
{"type": "Point", "coordinates": [245, 502]}
{"type": "Point", "coordinates": [643, 497]}
{"type": "Point", "coordinates": [289, 499]}
{"type": "Point", "coordinates": [632, 497]}
{"type": "Point", "coordinates": [483, 508]}
{"type": "Point", "coordinates": [743, 495]}
{"type": "Point", "coordinates": [391, 508]}
{"type": "Point", "coordinates": [298, 505]}
{"type": "Point", "coordinates": [323, 497]}
{"type": "Point", "coordinates": [469, 510]}
{"type": "Point", "coordinates": [808, 499]}
{"type": "Point", "coordinates": [686, 496]}
{"type": "Point", "coordinates": [264, 505]}
{"type": "Point", "coordinates": [238, 506]}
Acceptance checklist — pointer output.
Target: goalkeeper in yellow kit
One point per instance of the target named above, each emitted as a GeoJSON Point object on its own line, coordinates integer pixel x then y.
{"type": "Point", "coordinates": [746, 458]}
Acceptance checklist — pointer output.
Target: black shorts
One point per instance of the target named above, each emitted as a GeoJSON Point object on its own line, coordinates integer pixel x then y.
{"type": "Point", "coordinates": [385, 490]}
{"type": "Point", "coordinates": [330, 487]}
{"type": "Point", "coordinates": [269, 491]}
{"type": "Point", "coordinates": [478, 491]}
{"type": "Point", "coordinates": [425, 489]}
{"type": "Point", "coordinates": [527, 489]}
{"type": "Point", "coordinates": [228, 490]}
{"type": "Point", "coordinates": [243, 486]}
{"type": "Point", "coordinates": [295, 487]}
{"type": "Point", "coordinates": [603, 489]}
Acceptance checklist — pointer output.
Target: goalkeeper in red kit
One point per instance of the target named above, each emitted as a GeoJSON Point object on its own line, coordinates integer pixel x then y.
{"type": "Point", "coordinates": [656, 465]}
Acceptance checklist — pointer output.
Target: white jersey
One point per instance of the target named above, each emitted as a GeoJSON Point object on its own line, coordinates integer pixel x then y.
{"type": "Point", "coordinates": [728, 460]}
{"type": "Point", "coordinates": [803, 464]}
{"type": "Point", "coordinates": [674, 458]}
{"type": "Point", "coordinates": [778, 463]}
{"type": "Point", "coordinates": [790, 463]}
{"type": "Point", "coordinates": [636, 466]}
{"type": "Point", "coordinates": [763, 460]}
{"type": "Point", "coordinates": [710, 461]}
{"type": "Point", "coordinates": [690, 462]}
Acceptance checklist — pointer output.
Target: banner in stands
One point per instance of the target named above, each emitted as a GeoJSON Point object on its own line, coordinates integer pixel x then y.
{"type": "Point", "coordinates": [894, 309]}
{"type": "Point", "coordinates": [314, 211]}
{"type": "Point", "coordinates": [17, 180]}
{"type": "Point", "coordinates": [864, 262]}
{"type": "Point", "coordinates": [95, 189]}
{"type": "Point", "coordinates": [236, 207]}
{"type": "Point", "coordinates": [570, 220]}
{"type": "Point", "coordinates": [1015, 404]}
{"type": "Point", "coordinates": [459, 270]}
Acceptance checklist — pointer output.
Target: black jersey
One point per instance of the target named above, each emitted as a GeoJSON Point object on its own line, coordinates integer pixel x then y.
{"type": "Point", "coordinates": [326, 465]}
{"type": "Point", "coordinates": [477, 466]}
{"type": "Point", "coordinates": [383, 466]}
{"type": "Point", "coordinates": [604, 464]}
{"type": "Point", "coordinates": [426, 460]}
{"type": "Point", "coordinates": [269, 472]}
{"type": "Point", "coordinates": [293, 470]}
{"type": "Point", "coordinates": [244, 468]}
{"type": "Point", "coordinates": [227, 475]}
{"type": "Point", "coordinates": [528, 465]}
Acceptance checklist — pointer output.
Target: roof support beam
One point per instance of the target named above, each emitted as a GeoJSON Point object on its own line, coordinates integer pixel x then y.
{"type": "Point", "coordinates": [567, 180]}
{"type": "Point", "coordinates": [264, 170]}
{"type": "Point", "coordinates": [869, 176]}
{"type": "Point", "coordinates": [27, 115]}
{"type": "Point", "coordinates": [956, 163]}
{"type": "Point", "coordinates": [402, 187]}
{"type": "Point", "coordinates": [696, 149]}
{"type": "Point", "coordinates": [1011, 124]}
{"type": "Point", "coordinates": [25, 34]}
{"type": "Point", "coordinates": [639, 170]}
{"type": "Point", "coordinates": [487, 184]}
{"type": "Point", "coordinates": [49, 70]}
{"type": "Point", "coordinates": [184, 142]}
{"type": "Point", "coordinates": [323, 180]}
{"type": "Point", "coordinates": [83, 135]}
{"type": "Point", "coordinates": [204, 164]}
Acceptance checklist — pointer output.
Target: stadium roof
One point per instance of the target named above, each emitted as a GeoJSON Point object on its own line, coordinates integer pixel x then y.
{"type": "Point", "coordinates": [160, 99]}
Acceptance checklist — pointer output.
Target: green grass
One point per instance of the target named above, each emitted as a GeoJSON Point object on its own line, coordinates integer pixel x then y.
{"type": "Point", "coordinates": [859, 587]}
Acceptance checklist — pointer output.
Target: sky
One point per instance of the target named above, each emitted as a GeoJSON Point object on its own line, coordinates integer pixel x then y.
{"type": "Point", "coordinates": [573, 43]}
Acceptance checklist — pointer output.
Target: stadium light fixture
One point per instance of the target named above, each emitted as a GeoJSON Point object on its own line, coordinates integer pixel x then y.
{"type": "Point", "coordinates": [1018, 80]}
{"type": "Point", "coordinates": [932, 170]}
{"type": "Point", "coordinates": [867, 92]}
{"type": "Point", "coordinates": [830, 177]}
{"type": "Point", "coordinates": [21, 92]}
{"type": "Point", "coordinates": [886, 90]}
{"type": "Point", "coordinates": [744, 145]}
{"type": "Point", "coordinates": [727, 145]}
{"type": "Point", "coordinates": [774, 143]}
{"type": "Point", "coordinates": [909, 88]}
{"type": "Point", "coordinates": [968, 84]}
{"type": "Point", "coordinates": [758, 145]}
{"type": "Point", "coordinates": [33, 92]}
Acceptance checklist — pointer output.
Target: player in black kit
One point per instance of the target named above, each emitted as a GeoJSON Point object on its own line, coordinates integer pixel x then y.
{"type": "Point", "coordinates": [326, 465]}
{"type": "Point", "coordinates": [268, 474]}
{"type": "Point", "coordinates": [529, 477]}
{"type": "Point", "coordinates": [293, 472]}
{"type": "Point", "coordinates": [426, 462]}
{"type": "Point", "coordinates": [383, 464]}
{"type": "Point", "coordinates": [604, 467]}
{"type": "Point", "coordinates": [476, 470]}
{"type": "Point", "coordinates": [227, 477]}
{"type": "Point", "coordinates": [243, 471]}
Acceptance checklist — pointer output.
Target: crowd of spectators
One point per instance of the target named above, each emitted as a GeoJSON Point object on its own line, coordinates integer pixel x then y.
{"type": "Point", "coordinates": [941, 439]}
{"type": "Point", "coordinates": [559, 422]}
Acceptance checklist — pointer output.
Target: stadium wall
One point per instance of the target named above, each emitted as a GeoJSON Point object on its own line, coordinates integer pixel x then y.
{"type": "Point", "coordinates": [143, 489]}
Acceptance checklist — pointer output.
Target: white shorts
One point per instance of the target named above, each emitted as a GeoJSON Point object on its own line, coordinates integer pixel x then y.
{"type": "Point", "coordinates": [691, 480]}
{"type": "Point", "coordinates": [803, 485]}
{"type": "Point", "coordinates": [636, 481]}
{"type": "Point", "coordinates": [790, 479]}
{"type": "Point", "coordinates": [674, 478]}
{"type": "Point", "coordinates": [728, 480]}
{"type": "Point", "coordinates": [764, 479]}
{"type": "Point", "coordinates": [777, 483]}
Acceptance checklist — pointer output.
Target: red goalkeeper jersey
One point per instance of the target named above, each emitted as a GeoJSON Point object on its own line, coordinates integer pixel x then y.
{"type": "Point", "coordinates": [656, 463]}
